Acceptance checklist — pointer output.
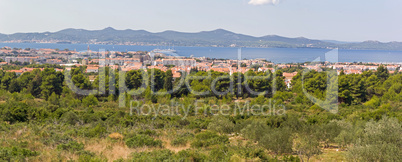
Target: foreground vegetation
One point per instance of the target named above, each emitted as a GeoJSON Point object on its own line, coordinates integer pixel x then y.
{"type": "Point", "coordinates": [44, 120]}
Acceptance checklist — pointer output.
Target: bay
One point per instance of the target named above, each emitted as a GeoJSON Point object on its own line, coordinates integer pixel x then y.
{"type": "Point", "coordinates": [276, 55]}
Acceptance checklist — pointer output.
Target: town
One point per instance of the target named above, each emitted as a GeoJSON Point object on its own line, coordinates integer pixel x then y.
{"type": "Point", "coordinates": [136, 60]}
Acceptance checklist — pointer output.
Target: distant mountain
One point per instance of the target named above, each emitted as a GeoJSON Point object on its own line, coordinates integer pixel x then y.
{"type": "Point", "coordinates": [219, 37]}
{"type": "Point", "coordinates": [336, 42]}
{"type": "Point", "coordinates": [373, 45]}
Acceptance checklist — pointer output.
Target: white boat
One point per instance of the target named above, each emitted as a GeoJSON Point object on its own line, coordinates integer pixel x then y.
{"type": "Point", "coordinates": [164, 50]}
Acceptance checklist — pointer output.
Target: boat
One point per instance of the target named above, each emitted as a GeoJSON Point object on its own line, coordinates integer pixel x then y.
{"type": "Point", "coordinates": [164, 51]}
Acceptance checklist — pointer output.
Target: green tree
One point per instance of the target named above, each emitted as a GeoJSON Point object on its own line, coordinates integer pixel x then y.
{"type": "Point", "coordinates": [277, 140]}
{"type": "Point", "coordinates": [382, 73]}
{"type": "Point", "coordinates": [90, 100]}
{"type": "Point", "coordinates": [14, 86]}
{"type": "Point", "coordinates": [380, 141]}
{"type": "Point", "coordinates": [168, 84]}
{"type": "Point", "coordinates": [306, 145]}
{"type": "Point", "coordinates": [34, 86]}
{"type": "Point", "coordinates": [6, 80]}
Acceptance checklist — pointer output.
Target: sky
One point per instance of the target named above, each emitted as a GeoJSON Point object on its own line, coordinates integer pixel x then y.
{"type": "Point", "coordinates": [344, 20]}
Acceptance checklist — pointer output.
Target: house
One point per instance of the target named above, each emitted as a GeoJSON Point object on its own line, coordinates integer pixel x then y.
{"type": "Point", "coordinates": [92, 69]}
{"type": "Point", "coordinates": [18, 72]}
{"type": "Point", "coordinates": [288, 78]}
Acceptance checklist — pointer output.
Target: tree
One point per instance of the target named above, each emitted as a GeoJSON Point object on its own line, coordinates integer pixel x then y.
{"type": "Point", "coordinates": [280, 81]}
{"type": "Point", "coordinates": [34, 85]}
{"type": "Point", "coordinates": [255, 131]}
{"type": "Point", "coordinates": [157, 78]}
{"type": "Point", "coordinates": [6, 80]}
{"type": "Point", "coordinates": [277, 140]}
{"type": "Point", "coordinates": [328, 132]}
{"type": "Point", "coordinates": [81, 82]}
{"type": "Point", "coordinates": [382, 73]}
{"type": "Point", "coordinates": [54, 99]}
{"type": "Point", "coordinates": [168, 85]}
{"type": "Point", "coordinates": [14, 86]}
{"type": "Point", "coordinates": [48, 86]}
{"type": "Point", "coordinates": [306, 145]}
{"type": "Point", "coordinates": [380, 141]}
{"type": "Point", "coordinates": [52, 81]}
{"type": "Point", "coordinates": [25, 79]}
{"type": "Point", "coordinates": [134, 79]}
{"type": "Point", "coordinates": [90, 100]}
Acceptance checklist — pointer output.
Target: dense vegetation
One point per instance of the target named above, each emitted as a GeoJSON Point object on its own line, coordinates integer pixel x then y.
{"type": "Point", "coordinates": [42, 119]}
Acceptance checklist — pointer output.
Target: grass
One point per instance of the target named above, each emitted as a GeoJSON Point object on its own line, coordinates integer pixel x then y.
{"type": "Point", "coordinates": [116, 149]}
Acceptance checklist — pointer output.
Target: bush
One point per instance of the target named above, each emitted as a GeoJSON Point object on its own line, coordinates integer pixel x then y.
{"type": "Point", "coordinates": [15, 154]}
{"type": "Point", "coordinates": [53, 139]}
{"type": "Point", "coordinates": [190, 155]}
{"type": "Point", "coordinates": [180, 141]}
{"type": "Point", "coordinates": [255, 131]}
{"type": "Point", "coordinates": [90, 100]}
{"type": "Point", "coordinates": [148, 132]}
{"type": "Point", "coordinates": [69, 118]}
{"type": "Point", "coordinates": [208, 138]}
{"type": "Point", "coordinates": [71, 146]}
{"type": "Point", "coordinates": [156, 155]}
{"type": "Point", "coordinates": [86, 156]}
{"type": "Point", "coordinates": [98, 131]}
{"type": "Point", "coordinates": [141, 140]}
{"type": "Point", "coordinates": [221, 124]}
{"type": "Point", "coordinates": [16, 112]}
{"type": "Point", "coordinates": [380, 141]}
{"type": "Point", "coordinates": [278, 141]}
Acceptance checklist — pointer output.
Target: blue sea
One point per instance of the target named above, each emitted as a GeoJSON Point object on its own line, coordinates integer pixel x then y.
{"type": "Point", "coordinates": [276, 55]}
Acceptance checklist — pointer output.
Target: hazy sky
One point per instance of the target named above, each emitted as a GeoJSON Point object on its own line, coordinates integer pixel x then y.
{"type": "Point", "coordinates": [347, 20]}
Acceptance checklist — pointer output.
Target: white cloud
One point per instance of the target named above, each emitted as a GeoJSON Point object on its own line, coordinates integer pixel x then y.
{"type": "Point", "coordinates": [263, 2]}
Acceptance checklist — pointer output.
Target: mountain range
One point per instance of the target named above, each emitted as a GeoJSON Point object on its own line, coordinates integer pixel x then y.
{"type": "Point", "coordinates": [219, 37]}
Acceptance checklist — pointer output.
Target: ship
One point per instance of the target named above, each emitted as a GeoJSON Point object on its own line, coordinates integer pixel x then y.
{"type": "Point", "coordinates": [168, 51]}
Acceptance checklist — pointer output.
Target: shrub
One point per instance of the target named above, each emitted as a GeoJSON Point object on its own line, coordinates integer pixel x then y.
{"type": "Point", "coordinates": [220, 153]}
{"type": "Point", "coordinates": [306, 145]}
{"type": "Point", "coordinates": [278, 141]}
{"type": "Point", "coordinates": [148, 132]}
{"type": "Point", "coordinates": [15, 154]}
{"type": "Point", "coordinates": [98, 131]}
{"type": "Point", "coordinates": [180, 141]}
{"type": "Point", "coordinates": [70, 118]}
{"type": "Point", "coordinates": [221, 124]}
{"type": "Point", "coordinates": [208, 138]}
{"type": "Point", "coordinates": [380, 141]}
{"type": "Point", "coordinates": [16, 112]}
{"type": "Point", "coordinates": [252, 152]}
{"type": "Point", "coordinates": [255, 130]}
{"type": "Point", "coordinates": [190, 155]}
{"type": "Point", "coordinates": [71, 146]}
{"type": "Point", "coordinates": [90, 100]}
{"type": "Point", "coordinates": [86, 156]}
{"type": "Point", "coordinates": [328, 132]}
{"type": "Point", "coordinates": [141, 140]}
{"type": "Point", "coordinates": [156, 155]}
{"type": "Point", "coordinates": [53, 138]}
